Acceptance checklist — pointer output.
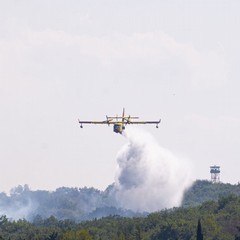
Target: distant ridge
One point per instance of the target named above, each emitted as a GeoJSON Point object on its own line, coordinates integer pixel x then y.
{"type": "Point", "coordinates": [80, 204]}
{"type": "Point", "coordinates": [203, 190]}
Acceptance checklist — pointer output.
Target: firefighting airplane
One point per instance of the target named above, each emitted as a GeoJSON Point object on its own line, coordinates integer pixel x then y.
{"type": "Point", "coordinates": [119, 123]}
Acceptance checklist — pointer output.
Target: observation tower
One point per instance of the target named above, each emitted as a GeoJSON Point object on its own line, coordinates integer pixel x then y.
{"type": "Point", "coordinates": [215, 174]}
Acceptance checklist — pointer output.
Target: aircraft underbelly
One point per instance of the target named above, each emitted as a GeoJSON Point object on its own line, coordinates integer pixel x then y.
{"type": "Point", "coordinates": [117, 128]}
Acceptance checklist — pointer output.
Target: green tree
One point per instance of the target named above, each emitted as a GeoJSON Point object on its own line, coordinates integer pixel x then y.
{"type": "Point", "coordinates": [77, 235]}
{"type": "Point", "coordinates": [83, 235]}
{"type": "Point", "coordinates": [199, 231]}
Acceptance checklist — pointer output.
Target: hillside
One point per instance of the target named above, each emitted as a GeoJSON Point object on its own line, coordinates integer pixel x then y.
{"type": "Point", "coordinates": [219, 220]}
{"type": "Point", "coordinates": [77, 204]}
{"type": "Point", "coordinates": [203, 190]}
{"type": "Point", "coordinates": [80, 204]}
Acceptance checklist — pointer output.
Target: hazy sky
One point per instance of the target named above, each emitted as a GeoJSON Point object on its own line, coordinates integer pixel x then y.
{"type": "Point", "coordinates": [63, 60]}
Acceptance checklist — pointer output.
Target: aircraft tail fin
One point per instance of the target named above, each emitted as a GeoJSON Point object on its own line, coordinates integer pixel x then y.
{"type": "Point", "coordinates": [123, 115]}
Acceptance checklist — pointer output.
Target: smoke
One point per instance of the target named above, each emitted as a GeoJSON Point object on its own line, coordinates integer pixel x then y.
{"type": "Point", "coordinates": [18, 210]}
{"type": "Point", "coordinates": [149, 177]}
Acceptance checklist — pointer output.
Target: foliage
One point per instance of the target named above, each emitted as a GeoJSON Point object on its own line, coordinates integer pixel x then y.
{"type": "Point", "coordinates": [203, 190]}
{"type": "Point", "coordinates": [209, 210]}
{"type": "Point", "coordinates": [219, 220]}
{"type": "Point", "coordinates": [199, 231]}
{"type": "Point", "coordinates": [80, 204]}
{"type": "Point", "coordinates": [77, 204]}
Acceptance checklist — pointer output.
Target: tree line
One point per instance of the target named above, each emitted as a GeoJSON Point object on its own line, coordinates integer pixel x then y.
{"type": "Point", "coordinates": [80, 204]}
{"type": "Point", "coordinates": [219, 220]}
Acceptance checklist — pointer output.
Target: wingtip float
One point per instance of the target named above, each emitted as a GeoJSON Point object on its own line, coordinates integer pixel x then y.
{"type": "Point", "coordinates": [119, 123]}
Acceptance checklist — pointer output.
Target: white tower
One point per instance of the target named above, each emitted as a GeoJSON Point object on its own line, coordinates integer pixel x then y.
{"type": "Point", "coordinates": [215, 174]}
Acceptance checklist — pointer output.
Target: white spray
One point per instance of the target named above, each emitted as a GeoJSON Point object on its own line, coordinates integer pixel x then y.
{"type": "Point", "coordinates": [149, 177]}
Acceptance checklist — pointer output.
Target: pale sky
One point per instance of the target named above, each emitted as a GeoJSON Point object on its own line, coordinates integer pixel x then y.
{"type": "Point", "coordinates": [63, 60]}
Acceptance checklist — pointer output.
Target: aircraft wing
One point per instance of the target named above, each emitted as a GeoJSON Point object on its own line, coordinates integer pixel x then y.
{"type": "Point", "coordinates": [93, 122]}
{"type": "Point", "coordinates": [144, 122]}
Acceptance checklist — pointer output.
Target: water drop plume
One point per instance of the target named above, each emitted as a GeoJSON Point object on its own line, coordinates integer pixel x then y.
{"type": "Point", "coordinates": [149, 177]}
